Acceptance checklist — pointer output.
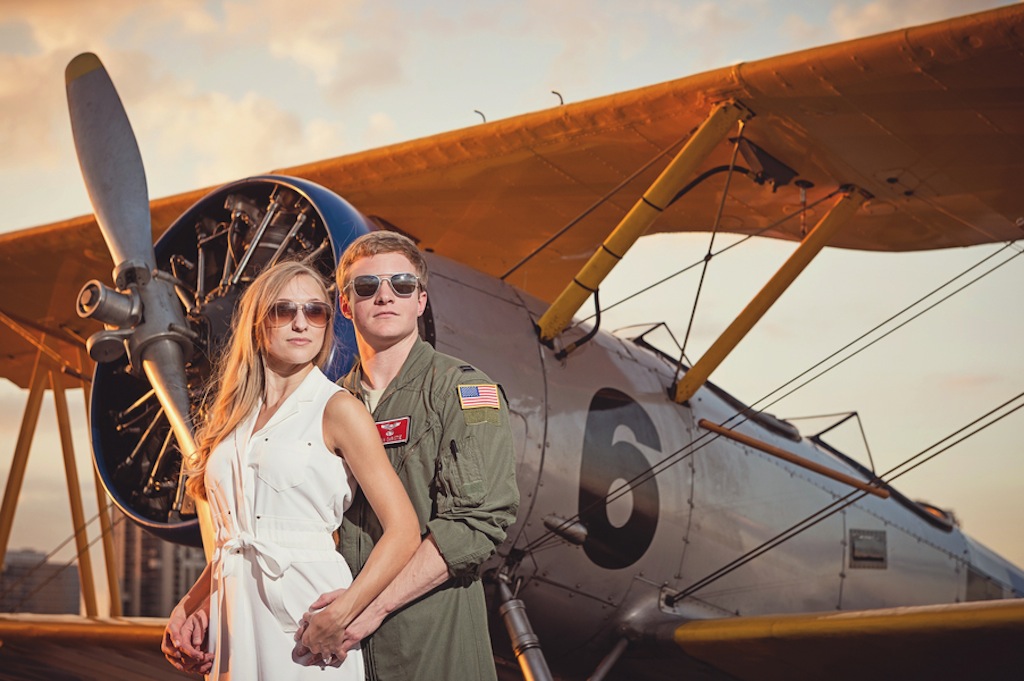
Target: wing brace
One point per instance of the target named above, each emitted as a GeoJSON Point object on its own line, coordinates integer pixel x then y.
{"type": "Point", "coordinates": [654, 201]}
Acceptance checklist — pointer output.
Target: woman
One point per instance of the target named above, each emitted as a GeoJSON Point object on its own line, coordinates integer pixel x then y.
{"type": "Point", "coordinates": [279, 455]}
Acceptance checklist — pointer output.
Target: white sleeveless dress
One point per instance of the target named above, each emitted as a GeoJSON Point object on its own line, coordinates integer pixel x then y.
{"type": "Point", "coordinates": [276, 496]}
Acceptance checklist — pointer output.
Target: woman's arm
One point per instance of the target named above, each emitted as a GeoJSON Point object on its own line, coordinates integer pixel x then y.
{"type": "Point", "coordinates": [349, 430]}
{"type": "Point", "coordinates": [187, 627]}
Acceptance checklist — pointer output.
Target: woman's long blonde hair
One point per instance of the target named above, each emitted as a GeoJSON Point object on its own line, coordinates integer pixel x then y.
{"type": "Point", "coordinates": [237, 382]}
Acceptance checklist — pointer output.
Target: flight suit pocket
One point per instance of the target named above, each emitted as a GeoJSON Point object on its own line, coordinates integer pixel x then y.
{"type": "Point", "coordinates": [462, 474]}
{"type": "Point", "coordinates": [283, 467]}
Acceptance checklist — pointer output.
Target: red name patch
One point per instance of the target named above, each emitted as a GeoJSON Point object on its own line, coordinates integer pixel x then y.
{"type": "Point", "coordinates": [394, 431]}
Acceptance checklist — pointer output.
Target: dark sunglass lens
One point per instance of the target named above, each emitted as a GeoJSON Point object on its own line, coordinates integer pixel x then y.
{"type": "Point", "coordinates": [316, 314]}
{"type": "Point", "coordinates": [282, 313]}
{"type": "Point", "coordinates": [365, 285]}
{"type": "Point", "coordinates": [404, 284]}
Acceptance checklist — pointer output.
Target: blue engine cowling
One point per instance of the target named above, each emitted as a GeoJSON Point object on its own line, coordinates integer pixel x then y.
{"type": "Point", "coordinates": [214, 249]}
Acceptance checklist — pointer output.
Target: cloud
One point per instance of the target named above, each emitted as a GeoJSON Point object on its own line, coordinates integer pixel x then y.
{"type": "Point", "coordinates": [963, 384]}
{"type": "Point", "coordinates": [347, 46]}
{"type": "Point", "coordinates": [34, 125]}
{"type": "Point", "coordinates": [381, 130]}
{"type": "Point", "coordinates": [31, 97]}
{"type": "Point", "coordinates": [56, 25]}
{"type": "Point", "coordinates": [850, 21]}
{"type": "Point", "coordinates": [213, 138]}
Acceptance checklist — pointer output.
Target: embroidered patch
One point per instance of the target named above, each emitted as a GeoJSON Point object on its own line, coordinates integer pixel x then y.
{"type": "Point", "coordinates": [394, 431]}
{"type": "Point", "coordinates": [477, 396]}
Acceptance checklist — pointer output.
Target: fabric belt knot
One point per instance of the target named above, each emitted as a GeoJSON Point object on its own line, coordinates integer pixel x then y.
{"type": "Point", "coordinates": [272, 562]}
{"type": "Point", "coordinates": [268, 555]}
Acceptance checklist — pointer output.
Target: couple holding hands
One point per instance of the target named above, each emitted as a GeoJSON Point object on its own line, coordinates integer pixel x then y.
{"type": "Point", "coordinates": [408, 463]}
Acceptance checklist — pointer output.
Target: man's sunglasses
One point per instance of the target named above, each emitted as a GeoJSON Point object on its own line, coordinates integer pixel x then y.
{"type": "Point", "coordinates": [403, 284]}
{"type": "Point", "coordinates": [283, 312]}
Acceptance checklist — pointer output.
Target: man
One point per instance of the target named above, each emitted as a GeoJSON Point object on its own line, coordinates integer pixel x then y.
{"type": "Point", "coordinates": [445, 428]}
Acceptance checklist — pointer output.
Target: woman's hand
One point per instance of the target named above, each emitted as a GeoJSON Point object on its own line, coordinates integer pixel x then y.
{"type": "Point", "coordinates": [183, 640]}
{"type": "Point", "coordinates": [319, 629]}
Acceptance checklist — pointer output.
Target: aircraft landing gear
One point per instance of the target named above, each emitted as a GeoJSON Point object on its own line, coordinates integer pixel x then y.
{"type": "Point", "coordinates": [525, 643]}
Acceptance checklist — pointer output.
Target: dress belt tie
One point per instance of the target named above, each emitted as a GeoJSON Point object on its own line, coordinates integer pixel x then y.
{"type": "Point", "coordinates": [268, 554]}
{"type": "Point", "coordinates": [272, 564]}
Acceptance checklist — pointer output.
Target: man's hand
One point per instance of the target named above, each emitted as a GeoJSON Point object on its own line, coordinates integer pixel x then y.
{"type": "Point", "coordinates": [183, 641]}
{"type": "Point", "coordinates": [320, 634]}
{"type": "Point", "coordinates": [362, 626]}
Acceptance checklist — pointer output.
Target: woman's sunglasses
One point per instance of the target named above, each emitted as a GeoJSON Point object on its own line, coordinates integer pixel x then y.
{"type": "Point", "coordinates": [403, 284]}
{"type": "Point", "coordinates": [283, 312]}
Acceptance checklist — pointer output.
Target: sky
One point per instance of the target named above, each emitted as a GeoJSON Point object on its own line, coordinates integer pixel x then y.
{"type": "Point", "coordinates": [217, 90]}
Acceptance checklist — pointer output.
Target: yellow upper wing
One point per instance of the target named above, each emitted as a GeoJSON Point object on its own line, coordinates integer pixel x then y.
{"type": "Point", "coordinates": [929, 120]}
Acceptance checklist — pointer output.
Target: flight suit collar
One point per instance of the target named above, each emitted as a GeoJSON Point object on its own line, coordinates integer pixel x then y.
{"type": "Point", "coordinates": [414, 366]}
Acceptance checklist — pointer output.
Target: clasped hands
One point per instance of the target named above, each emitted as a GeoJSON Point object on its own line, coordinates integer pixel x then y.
{"type": "Point", "coordinates": [321, 634]}
{"type": "Point", "coordinates": [319, 640]}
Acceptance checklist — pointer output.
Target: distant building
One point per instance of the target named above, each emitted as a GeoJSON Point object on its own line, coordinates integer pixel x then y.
{"type": "Point", "coordinates": [29, 583]}
{"type": "Point", "coordinates": [154, 573]}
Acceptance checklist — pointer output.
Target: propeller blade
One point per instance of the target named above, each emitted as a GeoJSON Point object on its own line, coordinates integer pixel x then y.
{"type": "Point", "coordinates": [111, 164]}
{"type": "Point", "coordinates": [116, 181]}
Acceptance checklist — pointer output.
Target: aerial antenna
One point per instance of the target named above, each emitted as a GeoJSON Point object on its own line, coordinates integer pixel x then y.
{"type": "Point", "coordinates": [556, 93]}
{"type": "Point", "coordinates": [481, 114]}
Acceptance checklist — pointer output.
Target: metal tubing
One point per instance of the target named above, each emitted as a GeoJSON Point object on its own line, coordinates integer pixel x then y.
{"type": "Point", "coordinates": [107, 535]}
{"type": "Point", "coordinates": [20, 459]}
{"type": "Point", "coordinates": [85, 577]}
{"type": "Point", "coordinates": [817, 239]}
{"type": "Point", "coordinates": [38, 343]}
{"type": "Point", "coordinates": [794, 459]}
{"type": "Point", "coordinates": [609, 660]}
{"type": "Point", "coordinates": [525, 643]}
{"type": "Point", "coordinates": [271, 211]}
{"type": "Point", "coordinates": [106, 527]}
{"type": "Point", "coordinates": [639, 219]}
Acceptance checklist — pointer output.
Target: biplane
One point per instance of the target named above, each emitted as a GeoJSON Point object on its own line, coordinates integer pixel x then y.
{"type": "Point", "coordinates": [667, 529]}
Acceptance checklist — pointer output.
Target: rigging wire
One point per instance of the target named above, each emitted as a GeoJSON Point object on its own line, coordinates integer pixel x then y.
{"type": "Point", "coordinates": [845, 501]}
{"type": "Point", "coordinates": [117, 519]}
{"type": "Point", "coordinates": [711, 248]}
{"type": "Point", "coordinates": [11, 587]}
{"type": "Point", "coordinates": [764, 230]}
{"type": "Point", "coordinates": [594, 206]}
{"type": "Point", "coordinates": [707, 437]}
{"type": "Point", "coordinates": [890, 331]}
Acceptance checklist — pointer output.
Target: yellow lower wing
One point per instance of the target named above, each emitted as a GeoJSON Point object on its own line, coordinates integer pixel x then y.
{"type": "Point", "coordinates": [981, 640]}
{"type": "Point", "coordinates": [74, 647]}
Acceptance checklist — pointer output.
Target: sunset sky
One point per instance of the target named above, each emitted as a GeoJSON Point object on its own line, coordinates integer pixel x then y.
{"type": "Point", "coordinates": [217, 90]}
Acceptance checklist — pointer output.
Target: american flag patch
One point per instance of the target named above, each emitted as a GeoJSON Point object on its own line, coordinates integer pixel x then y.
{"type": "Point", "coordinates": [475, 396]}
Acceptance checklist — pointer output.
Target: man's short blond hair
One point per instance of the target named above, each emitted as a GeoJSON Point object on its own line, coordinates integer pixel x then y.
{"type": "Point", "coordinates": [376, 243]}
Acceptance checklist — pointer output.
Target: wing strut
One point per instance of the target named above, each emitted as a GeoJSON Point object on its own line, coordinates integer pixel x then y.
{"type": "Point", "coordinates": [657, 198]}
{"type": "Point", "coordinates": [46, 374]}
{"type": "Point", "coordinates": [815, 240]}
{"type": "Point", "coordinates": [794, 459]}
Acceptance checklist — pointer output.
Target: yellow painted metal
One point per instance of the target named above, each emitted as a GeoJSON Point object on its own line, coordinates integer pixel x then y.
{"type": "Point", "coordinates": [639, 219]}
{"type": "Point", "coordinates": [793, 458]}
{"type": "Point", "coordinates": [85, 575]}
{"type": "Point", "coordinates": [845, 646]}
{"type": "Point", "coordinates": [38, 343]}
{"type": "Point", "coordinates": [817, 239]}
{"type": "Point", "coordinates": [79, 631]}
{"type": "Point", "coordinates": [21, 450]}
{"type": "Point", "coordinates": [106, 527]}
{"type": "Point", "coordinates": [109, 557]}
